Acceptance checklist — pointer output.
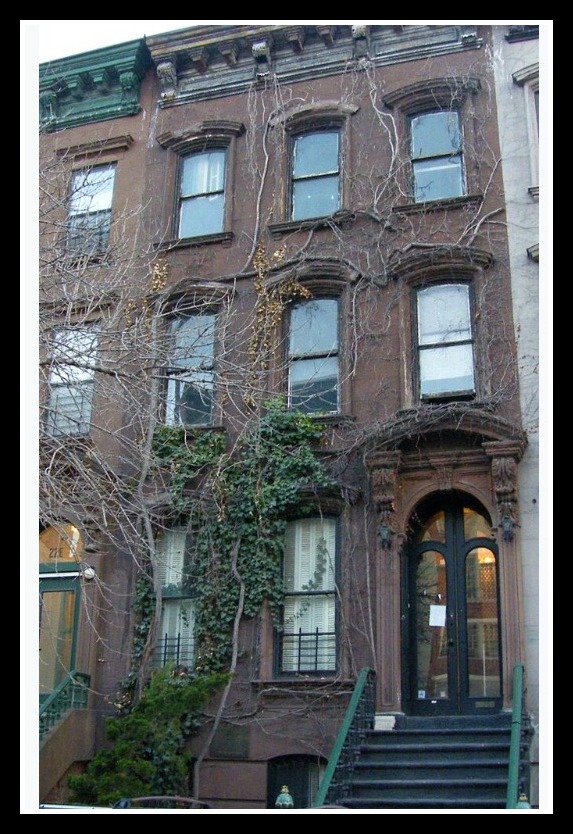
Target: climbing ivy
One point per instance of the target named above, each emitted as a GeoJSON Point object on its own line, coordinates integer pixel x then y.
{"type": "Point", "coordinates": [238, 534]}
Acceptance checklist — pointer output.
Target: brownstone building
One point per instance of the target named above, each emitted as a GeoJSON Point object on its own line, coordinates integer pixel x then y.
{"type": "Point", "coordinates": [231, 214]}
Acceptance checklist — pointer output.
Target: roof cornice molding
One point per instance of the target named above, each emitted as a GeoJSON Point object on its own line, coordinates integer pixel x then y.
{"type": "Point", "coordinates": [204, 62]}
{"type": "Point", "coordinates": [93, 86]}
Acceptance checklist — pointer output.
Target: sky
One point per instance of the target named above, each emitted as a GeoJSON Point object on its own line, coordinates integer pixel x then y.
{"type": "Point", "coordinates": [47, 40]}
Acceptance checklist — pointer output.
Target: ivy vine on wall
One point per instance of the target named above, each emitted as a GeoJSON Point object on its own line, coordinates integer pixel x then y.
{"type": "Point", "coordinates": [252, 491]}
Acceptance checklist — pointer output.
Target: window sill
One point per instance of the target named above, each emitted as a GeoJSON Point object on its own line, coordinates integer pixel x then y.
{"type": "Point", "coordinates": [337, 219]}
{"type": "Point", "coordinates": [439, 205]}
{"type": "Point", "coordinates": [445, 398]}
{"type": "Point", "coordinates": [187, 242]}
{"type": "Point", "coordinates": [77, 259]}
{"type": "Point", "coordinates": [277, 686]}
{"type": "Point", "coordinates": [332, 419]}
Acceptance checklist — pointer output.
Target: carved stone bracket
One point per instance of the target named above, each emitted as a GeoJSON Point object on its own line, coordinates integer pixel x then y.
{"type": "Point", "coordinates": [261, 51]}
{"type": "Point", "coordinates": [383, 479]}
{"type": "Point", "coordinates": [167, 74]}
{"type": "Point", "coordinates": [504, 459]}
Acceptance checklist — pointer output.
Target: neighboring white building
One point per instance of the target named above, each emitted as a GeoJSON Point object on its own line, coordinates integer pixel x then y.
{"type": "Point", "coordinates": [516, 62]}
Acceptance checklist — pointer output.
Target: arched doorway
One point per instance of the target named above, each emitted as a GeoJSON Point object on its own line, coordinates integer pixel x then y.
{"type": "Point", "coordinates": [450, 609]}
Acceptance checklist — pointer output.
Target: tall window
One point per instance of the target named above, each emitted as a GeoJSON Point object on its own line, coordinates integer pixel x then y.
{"type": "Point", "coordinates": [316, 174]}
{"type": "Point", "coordinates": [190, 386]}
{"type": "Point", "coordinates": [445, 343]}
{"type": "Point", "coordinates": [71, 381]}
{"type": "Point", "coordinates": [202, 194]}
{"type": "Point", "coordinates": [313, 356]}
{"type": "Point", "coordinates": [308, 635]}
{"type": "Point", "coordinates": [436, 151]}
{"type": "Point", "coordinates": [175, 641]}
{"type": "Point", "coordinates": [89, 216]}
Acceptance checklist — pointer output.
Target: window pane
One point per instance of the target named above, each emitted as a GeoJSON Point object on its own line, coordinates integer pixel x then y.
{"type": "Point", "coordinates": [203, 173]}
{"type": "Point", "coordinates": [190, 392]}
{"type": "Point", "coordinates": [438, 179]}
{"type": "Point", "coordinates": [69, 409]}
{"type": "Point", "coordinates": [89, 233]}
{"type": "Point", "coordinates": [176, 639]}
{"type": "Point", "coordinates": [314, 384]}
{"type": "Point", "coordinates": [446, 370]}
{"type": "Point", "coordinates": [435, 134]}
{"type": "Point", "coordinates": [193, 338]}
{"type": "Point", "coordinates": [308, 639]}
{"type": "Point", "coordinates": [314, 327]}
{"type": "Point", "coordinates": [309, 554]}
{"type": "Point", "coordinates": [202, 216]}
{"type": "Point", "coordinates": [443, 314]}
{"type": "Point", "coordinates": [170, 556]}
{"type": "Point", "coordinates": [92, 190]}
{"type": "Point", "coordinates": [316, 153]}
{"type": "Point", "coordinates": [315, 198]}
{"type": "Point", "coordinates": [190, 399]}
{"type": "Point", "coordinates": [74, 355]}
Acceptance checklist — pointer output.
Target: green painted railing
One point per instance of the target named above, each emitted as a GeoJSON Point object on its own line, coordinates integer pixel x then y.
{"type": "Point", "coordinates": [358, 720]}
{"type": "Point", "coordinates": [516, 797]}
{"type": "Point", "coordinates": [72, 693]}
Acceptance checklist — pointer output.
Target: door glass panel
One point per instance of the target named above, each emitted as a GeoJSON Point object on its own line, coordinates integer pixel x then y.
{"type": "Point", "coordinates": [431, 638]}
{"type": "Point", "coordinates": [476, 525]}
{"type": "Point", "coordinates": [484, 667]}
{"type": "Point", "coordinates": [57, 610]}
{"type": "Point", "coordinates": [434, 529]}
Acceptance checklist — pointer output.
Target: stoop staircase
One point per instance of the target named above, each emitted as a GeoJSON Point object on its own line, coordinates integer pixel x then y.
{"type": "Point", "coordinates": [437, 762]}
{"type": "Point", "coordinates": [444, 762]}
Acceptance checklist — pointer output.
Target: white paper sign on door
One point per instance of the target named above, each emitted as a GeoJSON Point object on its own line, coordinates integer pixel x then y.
{"type": "Point", "coordinates": [437, 615]}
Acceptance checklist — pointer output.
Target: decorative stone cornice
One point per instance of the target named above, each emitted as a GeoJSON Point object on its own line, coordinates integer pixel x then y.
{"type": "Point", "coordinates": [467, 418]}
{"type": "Point", "coordinates": [111, 144]}
{"type": "Point", "coordinates": [204, 62]}
{"type": "Point", "coordinates": [432, 92]}
{"type": "Point", "coordinates": [212, 130]}
{"type": "Point", "coordinates": [417, 259]}
{"type": "Point", "coordinates": [93, 86]}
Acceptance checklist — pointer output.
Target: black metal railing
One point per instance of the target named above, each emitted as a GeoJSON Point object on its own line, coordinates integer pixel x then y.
{"type": "Point", "coordinates": [359, 719]}
{"type": "Point", "coordinates": [308, 651]}
{"type": "Point", "coordinates": [72, 693]}
{"type": "Point", "coordinates": [175, 649]}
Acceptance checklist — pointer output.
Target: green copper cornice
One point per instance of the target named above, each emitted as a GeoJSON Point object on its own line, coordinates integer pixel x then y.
{"type": "Point", "coordinates": [92, 86]}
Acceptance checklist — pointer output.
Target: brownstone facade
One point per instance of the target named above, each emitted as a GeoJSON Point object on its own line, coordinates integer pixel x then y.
{"type": "Point", "coordinates": [415, 437]}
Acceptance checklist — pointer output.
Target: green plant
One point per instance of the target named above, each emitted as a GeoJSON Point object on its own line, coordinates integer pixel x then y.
{"type": "Point", "coordinates": [146, 753]}
{"type": "Point", "coordinates": [238, 533]}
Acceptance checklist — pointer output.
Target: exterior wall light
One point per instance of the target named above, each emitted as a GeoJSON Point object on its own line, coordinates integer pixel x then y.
{"type": "Point", "coordinates": [507, 528]}
{"type": "Point", "coordinates": [385, 533]}
{"type": "Point", "coordinates": [88, 573]}
{"type": "Point", "coordinates": [284, 800]}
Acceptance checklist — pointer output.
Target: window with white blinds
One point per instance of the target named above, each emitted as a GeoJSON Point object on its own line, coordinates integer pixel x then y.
{"type": "Point", "coordinates": [308, 636]}
{"type": "Point", "coordinates": [170, 556]}
{"type": "Point", "coordinates": [71, 381]}
{"type": "Point", "coordinates": [175, 640]}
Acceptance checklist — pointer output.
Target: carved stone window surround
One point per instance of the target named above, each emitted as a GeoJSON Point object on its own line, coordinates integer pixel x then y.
{"type": "Point", "coordinates": [208, 135]}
